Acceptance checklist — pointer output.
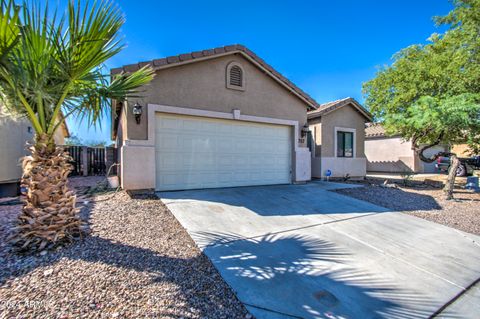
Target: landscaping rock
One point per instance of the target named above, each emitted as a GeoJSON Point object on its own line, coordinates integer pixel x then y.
{"type": "Point", "coordinates": [426, 202]}
{"type": "Point", "coordinates": [137, 262]}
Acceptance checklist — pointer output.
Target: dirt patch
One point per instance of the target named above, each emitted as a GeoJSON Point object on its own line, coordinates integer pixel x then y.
{"type": "Point", "coordinates": [137, 262]}
{"type": "Point", "coordinates": [426, 202]}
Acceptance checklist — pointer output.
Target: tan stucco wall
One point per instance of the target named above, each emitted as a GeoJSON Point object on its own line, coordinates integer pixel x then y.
{"type": "Point", "coordinates": [343, 166]}
{"type": "Point", "coordinates": [202, 85]}
{"type": "Point", "coordinates": [14, 134]}
{"type": "Point", "coordinates": [345, 117]}
{"type": "Point", "coordinates": [13, 137]}
{"type": "Point", "coordinates": [462, 150]}
{"type": "Point", "coordinates": [137, 167]}
{"type": "Point", "coordinates": [389, 155]}
{"type": "Point", "coordinates": [315, 127]}
{"type": "Point", "coordinates": [394, 155]}
{"type": "Point", "coordinates": [59, 137]}
{"type": "Point", "coordinates": [323, 130]}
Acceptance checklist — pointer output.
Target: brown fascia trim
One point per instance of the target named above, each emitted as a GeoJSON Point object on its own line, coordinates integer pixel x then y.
{"type": "Point", "coordinates": [197, 56]}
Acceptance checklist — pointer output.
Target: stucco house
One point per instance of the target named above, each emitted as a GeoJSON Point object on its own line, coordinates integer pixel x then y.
{"type": "Point", "coordinates": [337, 138]}
{"type": "Point", "coordinates": [214, 118]}
{"type": "Point", "coordinates": [392, 154]}
{"type": "Point", "coordinates": [462, 150]}
{"type": "Point", "coordinates": [14, 135]}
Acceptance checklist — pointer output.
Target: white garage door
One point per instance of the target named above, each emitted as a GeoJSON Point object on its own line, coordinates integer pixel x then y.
{"type": "Point", "coordinates": [196, 152]}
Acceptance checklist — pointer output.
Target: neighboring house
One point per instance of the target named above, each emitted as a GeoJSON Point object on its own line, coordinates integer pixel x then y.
{"type": "Point", "coordinates": [214, 118]}
{"type": "Point", "coordinates": [392, 154]}
{"type": "Point", "coordinates": [14, 135]}
{"type": "Point", "coordinates": [337, 145]}
{"type": "Point", "coordinates": [462, 150]}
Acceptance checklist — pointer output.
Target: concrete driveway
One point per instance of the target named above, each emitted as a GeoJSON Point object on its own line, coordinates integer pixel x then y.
{"type": "Point", "coordinates": [302, 251]}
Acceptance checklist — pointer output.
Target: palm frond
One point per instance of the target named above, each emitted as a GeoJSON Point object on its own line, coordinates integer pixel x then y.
{"type": "Point", "coordinates": [9, 30]}
{"type": "Point", "coordinates": [93, 101]}
{"type": "Point", "coordinates": [125, 86]}
{"type": "Point", "coordinates": [93, 37]}
{"type": "Point", "coordinates": [55, 61]}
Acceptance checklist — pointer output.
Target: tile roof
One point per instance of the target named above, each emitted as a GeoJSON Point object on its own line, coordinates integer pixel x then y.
{"type": "Point", "coordinates": [375, 130]}
{"type": "Point", "coordinates": [334, 105]}
{"type": "Point", "coordinates": [211, 53]}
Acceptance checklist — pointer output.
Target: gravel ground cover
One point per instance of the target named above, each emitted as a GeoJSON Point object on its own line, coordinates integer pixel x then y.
{"type": "Point", "coordinates": [426, 202]}
{"type": "Point", "coordinates": [137, 262]}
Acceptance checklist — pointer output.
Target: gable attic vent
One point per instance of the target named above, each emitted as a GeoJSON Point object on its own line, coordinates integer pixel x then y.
{"type": "Point", "coordinates": [235, 76]}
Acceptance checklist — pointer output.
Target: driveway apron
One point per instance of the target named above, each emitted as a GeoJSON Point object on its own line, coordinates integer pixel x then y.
{"type": "Point", "coordinates": [304, 251]}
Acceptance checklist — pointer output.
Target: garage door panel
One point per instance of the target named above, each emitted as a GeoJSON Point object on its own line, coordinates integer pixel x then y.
{"type": "Point", "coordinates": [281, 161]}
{"type": "Point", "coordinates": [240, 161]}
{"type": "Point", "coordinates": [226, 161]}
{"type": "Point", "coordinates": [194, 152]}
{"type": "Point", "coordinates": [225, 145]}
{"type": "Point", "coordinates": [167, 141]}
{"type": "Point", "coordinates": [241, 145]}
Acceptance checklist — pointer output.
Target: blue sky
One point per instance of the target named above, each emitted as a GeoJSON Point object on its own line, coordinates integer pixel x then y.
{"type": "Point", "coordinates": [328, 48]}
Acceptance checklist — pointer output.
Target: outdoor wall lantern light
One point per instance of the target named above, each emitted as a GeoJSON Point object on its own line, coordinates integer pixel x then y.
{"type": "Point", "coordinates": [137, 112]}
{"type": "Point", "coordinates": [305, 130]}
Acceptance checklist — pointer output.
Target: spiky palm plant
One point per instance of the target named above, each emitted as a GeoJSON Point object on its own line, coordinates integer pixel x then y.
{"type": "Point", "coordinates": [50, 68]}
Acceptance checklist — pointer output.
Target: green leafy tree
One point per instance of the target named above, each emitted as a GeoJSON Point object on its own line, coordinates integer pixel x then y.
{"type": "Point", "coordinates": [51, 67]}
{"type": "Point", "coordinates": [77, 141]}
{"type": "Point", "coordinates": [73, 140]}
{"type": "Point", "coordinates": [95, 143]}
{"type": "Point", "coordinates": [431, 92]}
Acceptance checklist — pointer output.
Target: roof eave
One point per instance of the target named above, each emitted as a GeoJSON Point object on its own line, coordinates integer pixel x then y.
{"type": "Point", "coordinates": [341, 103]}
{"type": "Point", "coordinates": [184, 59]}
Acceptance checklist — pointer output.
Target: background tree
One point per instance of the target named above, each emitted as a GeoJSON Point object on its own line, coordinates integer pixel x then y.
{"type": "Point", "coordinates": [50, 65]}
{"type": "Point", "coordinates": [431, 93]}
{"type": "Point", "coordinates": [74, 140]}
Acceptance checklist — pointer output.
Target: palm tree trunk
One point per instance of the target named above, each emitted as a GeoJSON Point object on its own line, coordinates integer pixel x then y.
{"type": "Point", "coordinates": [451, 176]}
{"type": "Point", "coordinates": [49, 216]}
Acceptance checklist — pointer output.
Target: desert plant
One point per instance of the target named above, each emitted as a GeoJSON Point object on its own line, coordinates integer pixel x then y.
{"type": "Point", "coordinates": [51, 67]}
{"type": "Point", "coordinates": [431, 93]}
{"type": "Point", "coordinates": [406, 177]}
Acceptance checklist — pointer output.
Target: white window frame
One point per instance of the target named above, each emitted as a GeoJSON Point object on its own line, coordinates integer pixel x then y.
{"type": "Point", "coordinates": [227, 76]}
{"type": "Point", "coordinates": [345, 129]}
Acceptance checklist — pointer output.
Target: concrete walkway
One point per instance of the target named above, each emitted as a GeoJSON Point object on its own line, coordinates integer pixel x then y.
{"type": "Point", "coordinates": [301, 251]}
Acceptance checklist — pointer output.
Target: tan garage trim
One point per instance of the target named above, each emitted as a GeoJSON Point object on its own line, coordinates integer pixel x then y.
{"type": "Point", "coordinates": [235, 115]}
{"type": "Point", "coordinates": [138, 156]}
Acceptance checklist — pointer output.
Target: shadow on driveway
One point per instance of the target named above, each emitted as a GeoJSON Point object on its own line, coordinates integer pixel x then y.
{"type": "Point", "coordinates": [299, 276]}
{"type": "Point", "coordinates": [300, 251]}
{"type": "Point", "coordinates": [278, 200]}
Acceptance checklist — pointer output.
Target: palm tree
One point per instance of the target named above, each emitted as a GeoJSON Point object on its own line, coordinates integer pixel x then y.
{"type": "Point", "coordinates": [50, 68]}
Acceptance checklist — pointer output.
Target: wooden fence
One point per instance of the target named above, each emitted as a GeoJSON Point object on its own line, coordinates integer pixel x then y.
{"type": "Point", "coordinates": [91, 160]}
{"type": "Point", "coordinates": [76, 154]}
{"type": "Point", "coordinates": [96, 161]}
